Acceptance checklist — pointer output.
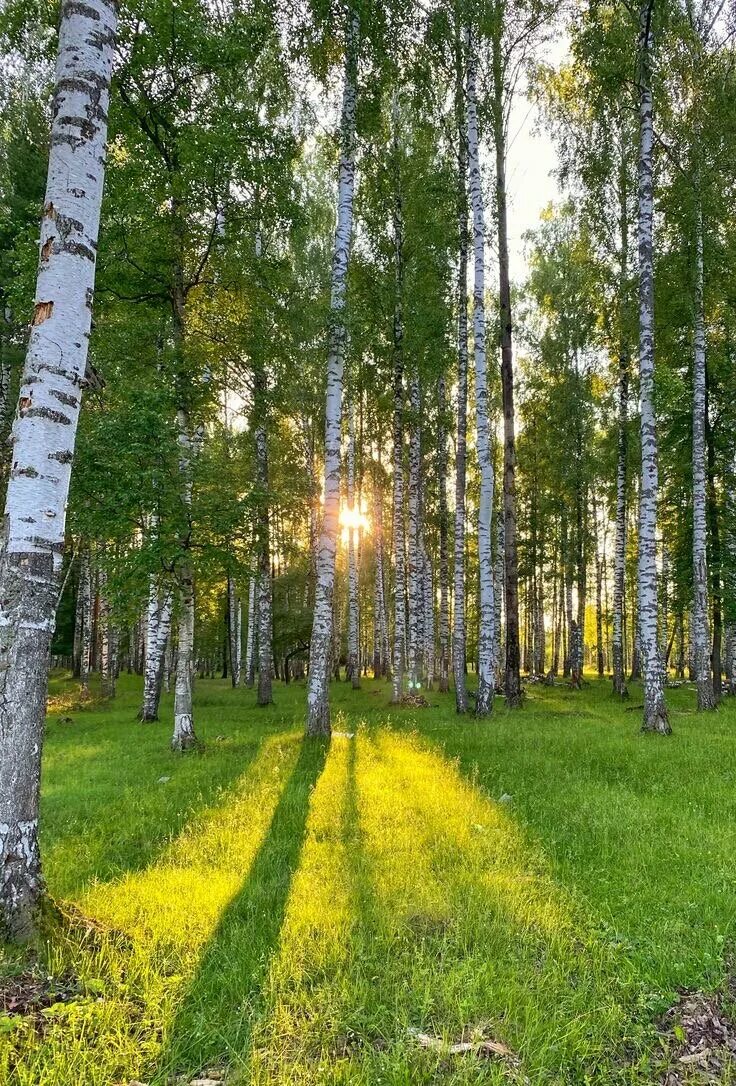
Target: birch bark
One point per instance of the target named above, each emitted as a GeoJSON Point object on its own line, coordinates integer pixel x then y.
{"type": "Point", "coordinates": [511, 582]}
{"type": "Point", "coordinates": [184, 737]}
{"type": "Point", "coordinates": [400, 633]}
{"type": "Point", "coordinates": [700, 625]}
{"type": "Point", "coordinates": [250, 635]}
{"type": "Point", "coordinates": [486, 609]}
{"type": "Point", "coordinates": [263, 543]}
{"type": "Point", "coordinates": [318, 703]}
{"type": "Point", "coordinates": [655, 710]}
{"type": "Point", "coordinates": [416, 594]}
{"type": "Point", "coordinates": [85, 651]}
{"type": "Point", "coordinates": [353, 669]}
{"type": "Point", "coordinates": [233, 631]}
{"type": "Point", "coordinates": [461, 410]}
{"type": "Point", "coordinates": [43, 439]}
{"type": "Point", "coordinates": [619, 559]}
{"type": "Point", "coordinates": [444, 525]}
{"type": "Point", "coordinates": [158, 629]}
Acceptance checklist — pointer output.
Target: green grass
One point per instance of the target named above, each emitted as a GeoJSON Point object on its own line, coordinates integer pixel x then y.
{"type": "Point", "coordinates": [291, 910]}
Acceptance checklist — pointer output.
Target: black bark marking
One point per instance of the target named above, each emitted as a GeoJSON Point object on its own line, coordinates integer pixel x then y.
{"type": "Point", "coordinates": [63, 457]}
{"type": "Point", "coordinates": [75, 7]}
{"type": "Point", "coordinates": [30, 472]}
{"type": "Point", "coordinates": [65, 398]}
{"type": "Point", "coordinates": [78, 248]}
{"type": "Point", "coordinates": [48, 413]}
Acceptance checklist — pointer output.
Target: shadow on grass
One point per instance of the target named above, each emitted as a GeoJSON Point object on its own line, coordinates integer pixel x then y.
{"type": "Point", "coordinates": [215, 1021]}
{"type": "Point", "coordinates": [117, 811]}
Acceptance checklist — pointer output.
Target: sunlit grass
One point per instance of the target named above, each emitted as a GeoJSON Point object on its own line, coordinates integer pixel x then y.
{"type": "Point", "coordinates": [293, 911]}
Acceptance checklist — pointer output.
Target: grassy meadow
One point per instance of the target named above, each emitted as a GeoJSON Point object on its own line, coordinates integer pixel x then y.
{"type": "Point", "coordinates": [287, 912]}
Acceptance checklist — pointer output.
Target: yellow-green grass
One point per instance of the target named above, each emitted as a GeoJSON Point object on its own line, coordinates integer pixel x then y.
{"type": "Point", "coordinates": [292, 911]}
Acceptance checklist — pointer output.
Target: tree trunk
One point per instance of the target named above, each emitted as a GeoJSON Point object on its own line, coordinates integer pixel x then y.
{"type": "Point", "coordinates": [513, 678]}
{"type": "Point", "coordinates": [250, 658]}
{"type": "Point", "coordinates": [656, 718]}
{"type": "Point", "coordinates": [486, 609]}
{"type": "Point", "coordinates": [700, 631]}
{"type": "Point", "coordinates": [381, 645]}
{"type": "Point", "coordinates": [428, 625]}
{"type": "Point", "coordinates": [44, 433]}
{"type": "Point", "coordinates": [318, 701]}
{"type": "Point", "coordinates": [263, 543]}
{"type": "Point", "coordinates": [233, 631]}
{"type": "Point", "coordinates": [158, 628]}
{"type": "Point", "coordinates": [416, 595]}
{"type": "Point", "coordinates": [458, 626]}
{"type": "Point", "coordinates": [353, 668]}
{"type": "Point", "coordinates": [444, 529]}
{"type": "Point", "coordinates": [598, 605]}
{"type": "Point", "coordinates": [400, 641]}
{"type": "Point", "coordinates": [85, 651]}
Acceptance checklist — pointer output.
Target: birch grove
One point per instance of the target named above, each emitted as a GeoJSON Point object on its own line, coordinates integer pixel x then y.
{"type": "Point", "coordinates": [43, 437]}
{"type": "Point", "coordinates": [394, 429]}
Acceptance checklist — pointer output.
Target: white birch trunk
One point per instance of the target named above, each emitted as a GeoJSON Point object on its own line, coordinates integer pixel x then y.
{"type": "Point", "coordinates": [381, 646]}
{"type": "Point", "coordinates": [318, 701]}
{"type": "Point", "coordinates": [444, 570]}
{"type": "Point", "coordinates": [158, 629]}
{"type": "Point", "coordinates": [700, 624]}
{"type": "Point", "coordinates": [250, 635]}
{"type": "Point", "coordinates": [108, 639]}
{"type": "Point", "coordinates": [353, 670]}
{"type": "Point", "coordinates": [619, 558]}
{"type": "Point", "coordinates": [416, 594]}
{"type": "Point", "coordinates": [43, 439]}
{"type": "Point", "coordinates": [184, 737]}
{"type": "Point", "coordinates": [429, 623]}
{"type": "Point", "coordinates": [655, 711]}
{"type": "Point", "coordinates": [486, 608]}
{"type": "Point", "coordinates": [265, 592]}
{"type": "Point", "coordinates": [85, 650]}
{"type": "Point", "coordinates": [498, 592]}
{"type": "Point", "coordinates": [233, 630]}
{"type": "Point", "coordinates": [461, 410]}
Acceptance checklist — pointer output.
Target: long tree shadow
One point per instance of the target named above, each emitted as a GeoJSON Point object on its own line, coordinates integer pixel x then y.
{"type": "Point", "coordinates": [215, 1021]}
{"type": "Point", "coordinates": [433, 914]}
{"type": "Point", "coordinates": [118, 810]}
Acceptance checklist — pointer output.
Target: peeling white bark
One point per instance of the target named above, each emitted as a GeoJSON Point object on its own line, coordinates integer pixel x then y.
{"type": "Point", "coordinates": [44, 436]}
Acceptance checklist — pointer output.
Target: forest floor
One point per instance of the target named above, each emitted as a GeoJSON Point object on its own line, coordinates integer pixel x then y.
{"type": "Point", "coordinates": [538, 888]}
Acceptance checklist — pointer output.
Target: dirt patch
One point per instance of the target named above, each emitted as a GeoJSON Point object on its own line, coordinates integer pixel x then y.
{"type": "Point", "coordinates": [414, 701]}
{"type": "Point", "coordinates": [29, 993]}
{"type": "Point", "coordinates": [699, 1037]}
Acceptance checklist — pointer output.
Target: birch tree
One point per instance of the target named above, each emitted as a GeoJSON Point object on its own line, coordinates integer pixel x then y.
{"type": "Point", "coordinates": [43, 439]}
{"type": "Point", "coordinates": [318, 703]}
{"type": "Point", "coordinates": [656, 718]}
{"type": "Point", "coordinates": [461, 407]}
{"type": "Point", "coordinates": [353, 669]}
{"type": "Point", "coordinates": [486, 608]}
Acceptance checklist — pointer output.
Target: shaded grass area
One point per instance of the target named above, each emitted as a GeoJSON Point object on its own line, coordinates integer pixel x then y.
{"type": "Point", "coordinates": [293, 911]}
